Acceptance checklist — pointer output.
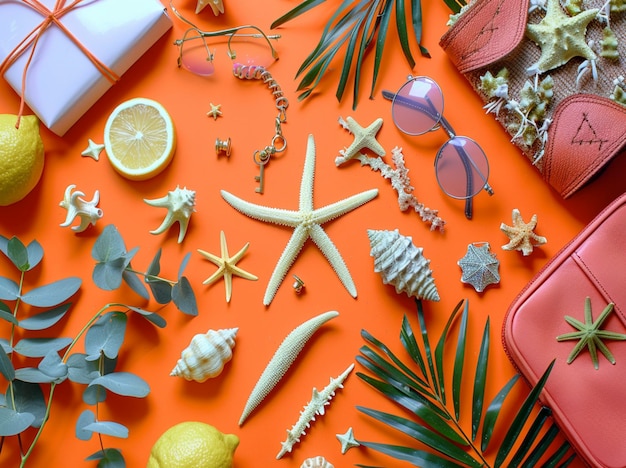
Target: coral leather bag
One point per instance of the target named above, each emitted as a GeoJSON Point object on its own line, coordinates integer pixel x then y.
{"type": "Point", "coordinates": [588, 403]}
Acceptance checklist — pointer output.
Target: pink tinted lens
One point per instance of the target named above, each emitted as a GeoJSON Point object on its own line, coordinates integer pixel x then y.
{"type": "Point", "coordinates": [252, 51]}
{"type": "Point", "coordinates": [418, 106]}
{"type": "Point", "coordinates": [196, 58]}
{"type": "Point", "coordinates": [461, 167]}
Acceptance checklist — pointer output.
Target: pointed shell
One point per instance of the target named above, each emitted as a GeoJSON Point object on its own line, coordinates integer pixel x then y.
{"type": "Point", "coordinates": [316, 462]}
{"type": "Point", "coordinates": [206, 355]}
{"type": "Point", "coordinates": [401, 264]}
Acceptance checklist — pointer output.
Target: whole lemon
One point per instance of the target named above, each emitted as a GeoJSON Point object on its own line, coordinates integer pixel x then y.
{"type": "Point", "coordinates": [193, 444]}
{"type": "Point", "coordinates": [21, 157]}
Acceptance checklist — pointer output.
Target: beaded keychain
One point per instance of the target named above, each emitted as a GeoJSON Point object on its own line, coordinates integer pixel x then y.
{"type": "Point", "coordinates": [278, 143]}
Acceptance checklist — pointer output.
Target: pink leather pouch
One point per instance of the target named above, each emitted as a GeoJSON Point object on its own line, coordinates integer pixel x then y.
{"type": "Point", "coordinates": [588, 404]}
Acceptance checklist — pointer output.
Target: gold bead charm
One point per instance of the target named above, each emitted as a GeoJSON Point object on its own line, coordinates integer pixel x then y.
{"type": "Point", "coordinates": [222, 146]}
{"type": "Point", "coordinates": [298, 285]}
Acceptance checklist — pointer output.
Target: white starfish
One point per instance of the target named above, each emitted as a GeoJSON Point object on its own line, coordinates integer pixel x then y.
{"type": "Point", "coordinates": [306, 223]}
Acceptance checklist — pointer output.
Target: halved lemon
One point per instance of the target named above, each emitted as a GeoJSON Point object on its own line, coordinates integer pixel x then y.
{"type": "Point", "coordinates": [139, 138]}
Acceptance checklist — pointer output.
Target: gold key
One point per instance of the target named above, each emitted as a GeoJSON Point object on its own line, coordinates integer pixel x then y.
{"type": "Point", "coordinates": [260, 179]}
{"type": "Point", "coordinates": [261, 158]}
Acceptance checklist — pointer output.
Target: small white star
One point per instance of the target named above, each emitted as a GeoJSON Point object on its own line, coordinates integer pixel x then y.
{"type": "Point", "coordinates": [347, 440]}
{"type": "Point", "coordinates": [215, 111]}
{"type": "Point", "coordinates": [93, 150]}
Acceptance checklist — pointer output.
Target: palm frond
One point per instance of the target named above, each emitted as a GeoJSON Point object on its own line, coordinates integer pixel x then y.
{"type": "Point", "coordinates": [356, 26]}
{"type": "Point", "coordinates": [419, 386]}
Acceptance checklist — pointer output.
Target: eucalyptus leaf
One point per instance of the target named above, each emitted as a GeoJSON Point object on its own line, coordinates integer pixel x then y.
{"type": "Point", "coordinates": [86, 418]}
{"type": "Point", "coordinates": [161, 290]}
{"type": "Point", "coordinates": [9, 289]}
{"type": "Point", "coordinates": [152, 317]}
{"type": "Point", "coordinates": [109, 428]}
{"type": "Point", "coordinates": [4, 242]}
{"type": "Point", "coordinates": [123, 383]}
{"type": "Point", "coordinates": [39, 347]}
{"type": "Point", "coordinates": [155, 266]}
{"type": "Point", "coordinates": [94, 394]}
{"type": "Point", "coordinates": [35, 254]}
{"type": "Point", "coordinates": [81, 370]}
{"type": "Point", "coordinates": [106, 335]}
{"type": "Point", "coordinates": [44, 320]}
{"type": "Point", "coordinates": [184, 297]}
{"type": "Point", "coordinates": [18, 254]}
{"type": "Point", "coordinates": [52, 294]}
{"type": "Point", "coordinates": [109, 245]}
{"type": "Point", "coordinates": [33, 375]}
{"type": "Point", "coordinates": [108, 275]}
{"type": "Point", "coordinates": [135, 284]}
{"type": "Point", "coordinates": [13, 423]}
{"type": "Point", "coordinates": [183, 264]}
{"type": "Point", "coordinates": [53, 366]}
{"type": "Point", "coordinates": [4, 343]}
{"type": "Point", "coordinates": [6, 314]}
{"type": "Point", "coordinates": [27, 398]}
{"type": "Point", "coordinates": [6, 366]}
{"type": "Point", "coordinates": [108, 458]}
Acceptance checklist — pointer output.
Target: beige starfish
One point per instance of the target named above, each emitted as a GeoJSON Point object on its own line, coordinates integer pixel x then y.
{"type": "Point", "coordinates": [216, 5]}
{"type": "Point", "coordinates": [306, 222]}
{"type": "Point", "coordinates": [363, 138]}
{"type": "Point", "coordinates": [561, 37]}
{"type": "Point", "coordinates": [93, 150]}
{"type": "Point", "coordinates": [521, 235]}
{"type": "Point", "coordinates": [227, 266]}
{"type": "Point", "coordinates": [215, 111]}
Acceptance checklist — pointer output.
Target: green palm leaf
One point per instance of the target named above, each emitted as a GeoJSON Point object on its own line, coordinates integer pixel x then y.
{"type": "Point", "coordinates": [432, 424]}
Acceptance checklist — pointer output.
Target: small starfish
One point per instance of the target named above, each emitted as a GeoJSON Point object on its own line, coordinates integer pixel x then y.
{"type": "Point", "coordinates": [521, 234]}
{"type": "Point", "coordinates": [561, 37]}
{"type": "Point", "coordinates": [93, 150]}
{"type": "Point", "coordinates": [590, 335]}
{"type": "Point", "coordinates": [215, 111]}
{"type": "Point", "coordinates": [479, 266]}
{"type": "Point", "coordinates": [347, 440]}
{"type": "Point", "coordinates": [216, 5]}
{"type": "Point", "coordinates": [363, 138]}
{"type": "Point", "coordinates": [227, 266]}
{"type": "Point", "coordinates": [306, 223]}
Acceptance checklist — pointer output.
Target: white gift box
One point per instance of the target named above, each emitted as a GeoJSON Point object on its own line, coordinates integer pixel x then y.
{"type": "Point", "coordinates": [62, 83]}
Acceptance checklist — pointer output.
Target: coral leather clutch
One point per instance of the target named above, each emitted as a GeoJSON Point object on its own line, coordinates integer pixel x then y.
{"type": "Point", "coordinates": [553, 78]}
{"type": "Point", "coordinates": [585, 283]}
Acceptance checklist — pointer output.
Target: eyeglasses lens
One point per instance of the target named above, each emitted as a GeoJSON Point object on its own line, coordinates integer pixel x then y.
{"type": "Point", "coordinates": [461, 167]}
{"type": "Point", "coordinates": [418, 106]}
{"type": "Point", "coordinates": [196, 56]}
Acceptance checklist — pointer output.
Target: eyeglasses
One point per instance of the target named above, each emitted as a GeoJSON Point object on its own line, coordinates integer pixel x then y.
{"type": "Point", "coordinates": [461, 166]}
{"type": "Point", "coordinates": [194, 53]}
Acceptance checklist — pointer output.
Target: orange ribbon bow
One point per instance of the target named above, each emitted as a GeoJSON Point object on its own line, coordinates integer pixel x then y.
{"type": "Point", "coordinates": [49, 17]}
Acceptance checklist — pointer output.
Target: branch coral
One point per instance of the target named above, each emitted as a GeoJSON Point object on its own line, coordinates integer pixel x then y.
{"type": "Point", "coordinates": [315, 407]}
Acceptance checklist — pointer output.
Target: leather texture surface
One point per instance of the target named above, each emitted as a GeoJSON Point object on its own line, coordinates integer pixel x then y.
{"type": "Point", "coordinates": [486, 33]}
{"type": "Point", "coordinates": [588, 404]}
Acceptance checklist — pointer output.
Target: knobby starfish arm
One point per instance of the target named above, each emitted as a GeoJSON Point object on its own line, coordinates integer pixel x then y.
{"type": "Point", "coordinates": [328, 212]}
{"type": "Point", "coordinates": [306, 185]}
{"type": "Point", "coordinates": [293, 247]}
{"type": "Point", "coordinates": [262, 213]}
{"type": "Point", "coordinates": [333, 256]}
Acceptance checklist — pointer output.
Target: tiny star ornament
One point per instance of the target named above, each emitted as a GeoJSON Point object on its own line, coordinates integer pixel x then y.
{"type": "Point", "coordinates": [561, 37]}
{"type": "Point", "coordinates": [227, 266]}
{"type": "Point", "coordinates": [347, 440]}
{"type": "Point", "coordinates": [93, 150]}
{"type": "Point", "coordinates": [479, 266]}
{"type": "Point", "coordinates": [215, 111]}
{"type": "Point", "coordinates": [363, 138]}
{"type": "Point", "coordinates": [521, 235]}
{"type": "Point", "coordinates": [590, 335]}
{"type": "Point", "coordinates": [180, 204]}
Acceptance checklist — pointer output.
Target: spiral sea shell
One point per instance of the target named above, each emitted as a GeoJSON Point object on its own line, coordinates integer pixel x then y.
{"type": "Point", "coordinates": [316, 462]}
{"type": "Point", "coordinates": [402, 264]}
{"type": "Point", "coordinates": [206, 355]}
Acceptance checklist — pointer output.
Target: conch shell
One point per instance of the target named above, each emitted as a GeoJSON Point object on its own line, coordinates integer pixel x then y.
{"type": "Point", "coordinates": [317, 462]}
{"type": "Point", "coordinates": [402, 264]}
{"type": "Point", "coordinates": [206, 355]}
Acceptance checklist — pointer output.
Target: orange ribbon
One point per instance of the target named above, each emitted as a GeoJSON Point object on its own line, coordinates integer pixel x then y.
{"type": "Point", "coordinates": [50, 17]}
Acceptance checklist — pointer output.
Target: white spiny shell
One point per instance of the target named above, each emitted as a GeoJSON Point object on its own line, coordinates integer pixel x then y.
{"type": "Point", "coordinates": [317, 462]}
{"type": "Point", "coordinates": [206, 355]}
{"type": "Point", "coordinates": [402, 264]}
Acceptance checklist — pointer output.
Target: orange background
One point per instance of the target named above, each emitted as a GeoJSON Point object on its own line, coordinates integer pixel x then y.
{"type": "Point", "coordinates": [248, 113]}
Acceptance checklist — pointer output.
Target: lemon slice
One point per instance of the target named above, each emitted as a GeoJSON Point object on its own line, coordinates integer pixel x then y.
{"type": "Point", "coordinates": [139, 138]}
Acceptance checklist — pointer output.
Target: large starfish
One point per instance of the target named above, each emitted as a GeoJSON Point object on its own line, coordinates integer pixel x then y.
{"type": "Point", "coordinates": [561, 37]}
{"type": "Point", "coordinates": [227, 266]}
{"type": "Point", "coordinates": [306, 222]}
{"type": "Point", "coordinates": [590, 335]}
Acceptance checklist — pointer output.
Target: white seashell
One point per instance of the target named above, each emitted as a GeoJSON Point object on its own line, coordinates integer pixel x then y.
{"type": "Point", "coordinates": [78, 207]}
{"type": "Point", "coordinates": [317, 462]}
{"type": "Point", "coordinates": [402, 264]}
{"type": "Point", "coordinates": [206, 355]}
{"type": "Point", "coordinates": [180, 204]}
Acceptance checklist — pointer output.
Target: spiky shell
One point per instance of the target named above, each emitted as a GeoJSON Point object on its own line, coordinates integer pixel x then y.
{"type": "Point", "coordinates": [206, 355]}
{"type": "Point", "coordinates": [402, 264]}
{"type": "Point", "coordinates": [316, 462]}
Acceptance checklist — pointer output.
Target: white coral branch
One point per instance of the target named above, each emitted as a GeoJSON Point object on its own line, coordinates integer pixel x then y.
{"type": "Point", "coordinates": [315, 407]}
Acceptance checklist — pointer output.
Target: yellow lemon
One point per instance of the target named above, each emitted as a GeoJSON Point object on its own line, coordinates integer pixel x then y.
{"type": "Point", "coordinates": [21, 157]}
{"type": "Point", "coordinates": [139, 138]}
{"type": "Point", "coordinates": [193, 445]}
